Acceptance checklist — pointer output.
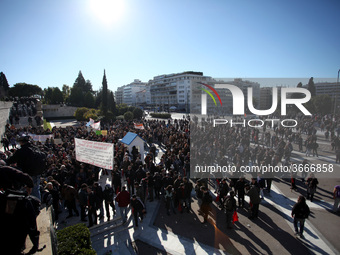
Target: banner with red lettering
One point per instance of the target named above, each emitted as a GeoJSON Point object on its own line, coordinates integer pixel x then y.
{"type": "Point", "coordinates": [94, 153]}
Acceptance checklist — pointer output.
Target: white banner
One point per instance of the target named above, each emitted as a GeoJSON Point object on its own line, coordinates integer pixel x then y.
{"type": "Point", "coordinates": [94, 153]}
{"type": "Point", "coordinates": [40, 138]}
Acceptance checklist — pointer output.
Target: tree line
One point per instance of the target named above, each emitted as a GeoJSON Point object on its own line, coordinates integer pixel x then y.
{"type": "Point", "coordinates": [81, 94]}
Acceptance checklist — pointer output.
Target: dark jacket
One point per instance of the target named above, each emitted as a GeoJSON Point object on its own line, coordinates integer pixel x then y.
{"type": "Point", "coordinates": [254, 195]}
{"type": "Point", "coordinates": [108, 194]}
{"type": "Point", "coordinates": [82, 195]}
{"type": "Point", "coordinates": [224, 189]}
{"type": "Point", "coordinates": [140, 192]}
{"type": "Point", "coordinates": [92, 200]}
{"type": "Point", "coordinates": [23, 159]}
{"type": "Point", "coordinates": [123, 198]}
{"type": "Point", "coordinates": [68, 193]}
{"type": "Point", "coordinates": [300, 211]}
{"type": "Point", "coordinates": [229, 204]}
{"type": "Point", "coordinates": [187, 189]}
{"type": "Point", "coordinates": [137, 204]}
{"type": "Point", "coordinates": [206, 199]}
{"type": "Point", "coordinates": [239, 187]}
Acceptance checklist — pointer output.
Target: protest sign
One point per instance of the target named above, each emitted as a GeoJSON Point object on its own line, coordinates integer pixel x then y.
{"type": "Point", "coordinates": [94, 153]}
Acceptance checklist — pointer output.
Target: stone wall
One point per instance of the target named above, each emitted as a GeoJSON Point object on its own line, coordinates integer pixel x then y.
{"type": "Point", "coordinates": [4, 114]}
{"type": "Point", "coordinates": [58, 111]}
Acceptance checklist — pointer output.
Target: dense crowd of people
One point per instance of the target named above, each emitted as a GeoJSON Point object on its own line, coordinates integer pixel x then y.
{"type": "Point", "coordinates": [138, 179]}
{"type": "Point", "coordinates": [22, 107]}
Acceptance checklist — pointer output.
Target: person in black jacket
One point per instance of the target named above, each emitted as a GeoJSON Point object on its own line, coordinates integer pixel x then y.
{"type": "Point", "coordinates": [300, 213]}
{"type": "Point", "coordinates": [240, 192]}
{"type": "Point", "coordinates": [92, 208]}
{"type": "Point", "coordinates": [187, 191]}
{"type": "Point", "coordinates": [22, 157]}
{"type": "Point", "coordinates": [98, 192]}
{"type": "Point", "coordinates": [223, 190]}
{"type": "Point", "coordinates": [312, 184]}
{"type": "Point", "coordinates": [157, 184]}
{"type": "Point", "coordinates": [116, 180]}
{"type": "Point", "coordinates": [83, 197]}
{"type": "Point", "coordinates": [108, 195]}
{"type": "Point", "coordinates": [230, 207]}
{"type": "Point", "coordinates": [138, 209]}
{"type": "Point", "coordinates": [206, 201]}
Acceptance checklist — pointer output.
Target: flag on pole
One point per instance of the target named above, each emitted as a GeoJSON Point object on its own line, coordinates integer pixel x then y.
{"type": "Point", "coordinates": [96, 125]}
{"type": "Point", "coordinates": [138, 126]}
{"type": "Point", "coordinates": [90, 122]}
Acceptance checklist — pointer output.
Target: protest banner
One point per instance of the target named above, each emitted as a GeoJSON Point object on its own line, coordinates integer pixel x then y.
{"type": "Point", "coordinates": [138, 126]}
{"type": "Point", "coordinates": [58, 141]}
{"type": "Point", "coordinates": [94, 153]}
{"type": "Point", "coordinates": [40, 138]}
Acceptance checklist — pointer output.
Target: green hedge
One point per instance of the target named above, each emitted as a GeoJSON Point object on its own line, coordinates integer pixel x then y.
{"type": "Point", "coordinates": [75, 240]}
{"type": "Point", "coordinates": [160, 115]}
{"type": "Point", "coordinates": [47, 125]}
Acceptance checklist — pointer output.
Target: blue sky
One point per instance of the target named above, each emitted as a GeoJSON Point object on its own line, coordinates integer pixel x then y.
{"type": "Point", "coordinates": [47, 42]}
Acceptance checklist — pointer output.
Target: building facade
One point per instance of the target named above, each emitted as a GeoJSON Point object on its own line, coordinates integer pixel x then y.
{"type": "Point", "coordinates": [130, 91]}
{"type": "Point", "coordinates": [175, 90]}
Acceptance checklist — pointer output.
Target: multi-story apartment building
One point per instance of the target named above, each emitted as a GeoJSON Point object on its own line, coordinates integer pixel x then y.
{"type": "Point", "coordinates": [174, 90]}
{"type": "Point", "coordinates": [119, 95]}
{"type": "Point", "coordinates": [328, 88]}
{"type": "Point", "coordinates": [130, 91]}
{"type": "Point", "coordinates": [143, 97]}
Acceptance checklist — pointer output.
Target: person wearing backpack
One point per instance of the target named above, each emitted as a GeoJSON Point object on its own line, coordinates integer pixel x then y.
{"type": "Point", "coordinates": [30, 160]}
{"type": "Point", "coordinates": [300, 213]}
{"type": "Point", "coordinates": [230, 207]}
{"type": "Point", "coordinates": [336, 196]}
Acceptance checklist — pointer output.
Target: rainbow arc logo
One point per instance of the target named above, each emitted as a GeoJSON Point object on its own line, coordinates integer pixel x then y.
{"type": "Point", "coordinates": [209, 93]}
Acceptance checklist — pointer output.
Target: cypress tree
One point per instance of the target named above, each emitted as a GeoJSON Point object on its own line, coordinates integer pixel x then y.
{"type": "Point", "coordinates": [104, 96]}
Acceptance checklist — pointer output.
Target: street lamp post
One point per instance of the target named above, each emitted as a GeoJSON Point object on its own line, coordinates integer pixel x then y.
{"type": "Point", "coordinates": [336, 92]}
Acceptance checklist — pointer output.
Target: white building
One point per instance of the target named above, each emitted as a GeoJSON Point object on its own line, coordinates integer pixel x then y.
{"type": "Point", "coordinates": [328, 88]}
{"type": "Point", "coordinates": [130, 91]}
{"type": "Point", "coordinates": [174, 89]}
{"type": "Point", "coordinates": [119, 95]}
{"type": "Point", "coordinates": [143, 97]}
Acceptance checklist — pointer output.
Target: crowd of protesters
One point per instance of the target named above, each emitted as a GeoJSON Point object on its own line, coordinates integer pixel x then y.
{"type": "Point", "coordinates": [67, 180]}
{"type": "Point", "coordinates": [137, 179]}
{"type": "Point", "coordinates": [22, 107]}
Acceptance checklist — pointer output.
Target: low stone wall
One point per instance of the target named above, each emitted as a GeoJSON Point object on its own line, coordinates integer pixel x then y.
{"type": "Point", "coordinates": [47, 233]}
{"type": "Point", "coordinates": [58, 111]}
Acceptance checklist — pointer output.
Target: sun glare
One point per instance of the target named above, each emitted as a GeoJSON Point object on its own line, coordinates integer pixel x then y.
{"type": "Point", "coordinates": [107, 12]}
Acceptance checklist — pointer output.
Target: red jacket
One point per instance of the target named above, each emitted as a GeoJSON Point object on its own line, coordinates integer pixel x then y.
{"type": "Point", "coordinates": [123, 198]}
